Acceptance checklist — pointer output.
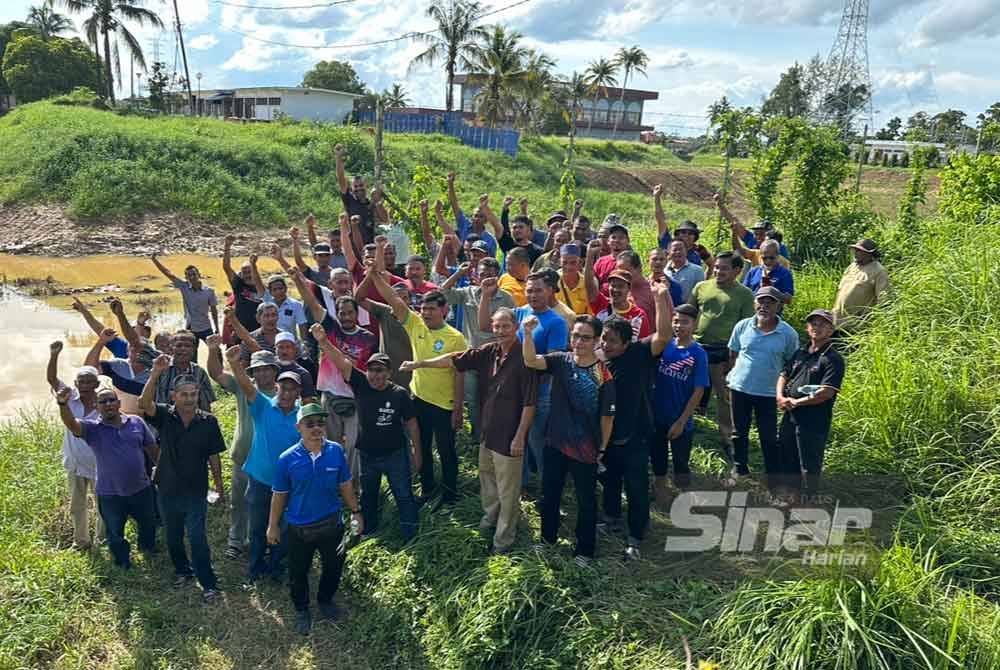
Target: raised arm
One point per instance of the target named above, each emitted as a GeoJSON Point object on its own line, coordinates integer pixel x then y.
{"type": "Point", "coordinates": [227, 258]}
{"type": "Point", "coordinates": [305, 288]}
{"type": "Point", "coordinates": [162, 268]}
{"type": "Point", "coordinates": [88, 316]}
{"type": "Point", "coordinates": [450, 282]}
{"type": "Point", "coordinates": [589, 278]}
{"type": "Point", "coordinates": [128, 332]}
{"type": "Point", "coordinates": [491, 218]}
{"type": "Point", "coordinates": [340, 361]}
{"type": "Point", "coordinates": [440, 259]}
{"type": "Point", "coordinates": [736, 224]}
{"type": "Point", "coordinates": [93, 357]}
{"type": "Point", "coordinates": [280, 257]}
{"type": "Point", "coordinates": [425, 226]}
{"type": "Point", "coordinates": [452, 196]}
{"type": "Point", "coordinates": [311, 229]}
{"type": "Point", "coordinates": [147, 401]}
{"type": "Point", "coordinates": [664, 318]}
{"type": "Point", "coordinates": [66, 414]}
{"type": "Point", "coordinates": [255, 273]}
{"type": "Point", "coordinates": [531, 359]}
{"type": "Point", "coordinates": [51, 376]}
{"type": "Point", "coordinates": [240, 373]}
{"type": "Point", "coordinates": [446, 228]}
{"type": "Point", "coordinates": [399, 308]}
{"type": "Point", "coordinates": [483, 314]}
{"type": "Point", "coordinates": [577, 208]}
{"type": "Point", "coordinates": [338, 157]}
{"type": "Point", "coordinates": [214, 363]}
{"type": "Point", "coordinates": [294, 233]}
{"type": "Point", "coordinates": [661, 217]}
{"type": "Point", "coordinates": [346, 242]}
{"type": "Point", "coordinates": [242, 334]}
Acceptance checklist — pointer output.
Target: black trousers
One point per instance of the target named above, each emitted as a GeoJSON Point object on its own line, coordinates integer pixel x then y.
{"type": "Point", "coordinates": [302, 544]}
{"type": "Point", "coordinates": [801, 450]}
{"type": "Point", "coordinates": [435, 427]}
{"type": "Point", "coordinates": [628, 464]}
{"type": "Point", "coordinates": [663, 449]}
{"type": "Point", "coordinates": [555, 467]}
{"type": "Point", "coordinates": [764, 409]}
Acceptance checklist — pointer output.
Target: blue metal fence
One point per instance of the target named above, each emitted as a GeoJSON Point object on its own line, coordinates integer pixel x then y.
{"type": "Point", "coordinates": [448, 124]}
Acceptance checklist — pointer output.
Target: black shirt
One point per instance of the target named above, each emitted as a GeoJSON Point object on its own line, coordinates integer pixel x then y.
{"type": "Point", "coordinates": [366, 210]}
{"type": "Point", "coordinates": [382, 414]}
{"type": "Point", "coordinates": [507, 242]}
{"type": "Point", "coordinates": [824, 367]}
{"type": "Point", "coordinates": [184, 451]}
{"type": "Point", "coordinates": [633, 375]}
{"type": "Point", "coordinates": [246, 302]}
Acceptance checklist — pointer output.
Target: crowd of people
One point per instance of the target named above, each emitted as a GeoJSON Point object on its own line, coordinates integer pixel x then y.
{"type": "Point", "coordinates": [570, 359]}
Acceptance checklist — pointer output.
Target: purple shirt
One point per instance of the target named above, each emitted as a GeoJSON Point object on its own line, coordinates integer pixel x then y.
{"type": "Point", "coordinates": [121, 461]}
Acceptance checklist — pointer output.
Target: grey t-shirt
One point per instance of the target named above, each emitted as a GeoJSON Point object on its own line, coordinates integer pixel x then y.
{"type": "Point", "coordinates": [470, 297]}
{"type": "Point", "coordinates": [196, 305]}
{"type": "Point", "coordinates": [393, 341]}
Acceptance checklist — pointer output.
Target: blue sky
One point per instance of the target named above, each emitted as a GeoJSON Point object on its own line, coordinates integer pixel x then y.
{"type": "Point", "coordinates": [928, 55]}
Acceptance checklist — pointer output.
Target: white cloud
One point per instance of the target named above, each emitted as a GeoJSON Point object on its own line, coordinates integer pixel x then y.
{"type": "Point", "coordinates": [955, 21]}
{"type": "Point", "coordinates": [202, 42]}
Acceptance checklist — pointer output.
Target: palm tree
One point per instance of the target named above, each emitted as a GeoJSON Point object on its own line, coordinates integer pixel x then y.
{"type": "Point", "coordinates": [599, 75]}
{"type": "Point", "coordinates": [535, 92]}
{"type": "Point", "coordinates": [47, 21]}
{"type": "Point", "coordinates": [576, 91]}
{"type": "Point", "coordinates": [108, 16]}
{"type": "Point", "coordinates": [454, 39]}
{"type": "Point", "coordinates": [395, 97]}
{"type": "Point", "coordinates": [629, 60]}
{"type": "Point", "coordinates": [498, 60]}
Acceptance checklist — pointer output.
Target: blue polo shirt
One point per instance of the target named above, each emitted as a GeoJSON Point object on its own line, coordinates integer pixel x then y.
{"type": "Point", "coordinates": [664, 243]}
{"type": "Point", "coordinates": [761, 356]}
{"type": "Point", "coordinates": [312, 484]}
{"type": "Point", "coordinates": [750, 242]}
{"type": "Point", "coordinates": [463, 227]}
{"type": "Point", "coordinates": [781, 279]}
{"type": "Point", "coordinates": [273, 432]}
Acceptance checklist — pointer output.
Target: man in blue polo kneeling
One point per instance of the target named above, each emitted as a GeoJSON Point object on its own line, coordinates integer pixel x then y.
{"type": "Point", "coordinates": [310, 481]}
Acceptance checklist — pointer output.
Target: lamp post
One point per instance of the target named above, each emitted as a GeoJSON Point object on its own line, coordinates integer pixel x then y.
{"type": "Point", "coordinates": [138, 79]}
{"type": "Point", "coordinates": [198, 100]}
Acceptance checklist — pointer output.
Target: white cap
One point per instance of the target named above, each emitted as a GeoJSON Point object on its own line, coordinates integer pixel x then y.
{"type": "Point", "coordinates": [87, 371]}
{"type": "Point", "coordinates": [285, 336]}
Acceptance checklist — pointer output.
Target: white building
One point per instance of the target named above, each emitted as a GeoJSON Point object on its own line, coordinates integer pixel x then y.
{"type": "Point", "coordinates": [899, 148]}
{"type": "Point", "coordinates": [266, 103]}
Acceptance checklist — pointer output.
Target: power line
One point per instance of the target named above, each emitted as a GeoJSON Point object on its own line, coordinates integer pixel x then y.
{"type": "Point", "coordinates": [265, 7]}
{"type": "Point", "coordinates": [404, 36]}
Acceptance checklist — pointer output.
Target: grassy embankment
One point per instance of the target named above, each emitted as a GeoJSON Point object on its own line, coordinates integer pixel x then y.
{"type": "Point", "coordinates": [919, 400]}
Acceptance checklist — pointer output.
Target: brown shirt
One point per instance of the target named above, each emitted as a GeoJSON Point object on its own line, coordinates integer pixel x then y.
{"type": "Point", "coordinates": [506, 387]}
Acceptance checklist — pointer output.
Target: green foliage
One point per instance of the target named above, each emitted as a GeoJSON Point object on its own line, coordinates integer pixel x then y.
{"type": "Point", "coordinates": [157, 86]}
{"type": "Point", "coordinates": [970, 188]}
{"type": "Point", "coordinates": [35, 68]}
{"type": "Point", "coordinates": [567, 190]}
{"type": "Point", "coordinates": [7, 31]}
{"type": "Point", "coordinates": [81, 96]}
{"type": "Point", "coordinates": [768, 164]}
{"type": "Point", "coordinates": [404, 203]}
{"type": "Point", "coordinates": [916, 191]}
{"type": "Point", "coordinates": [334, 75]}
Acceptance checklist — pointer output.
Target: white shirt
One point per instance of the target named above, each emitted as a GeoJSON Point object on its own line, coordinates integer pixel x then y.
{"type": "Point", "coordinates": [291, 313]}
{"type": "Point", "coordinates": [78, 457]}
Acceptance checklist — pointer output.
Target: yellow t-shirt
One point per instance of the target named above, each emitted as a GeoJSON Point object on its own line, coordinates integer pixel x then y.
{"type": "Point", "coordinates": [433, 385]}
{"type": "Point", "coordinates": [514, 287]}
{"type": "Point", "coordinates": [578, 300]}
{"type": "Point", "coordinates": [753, 255]}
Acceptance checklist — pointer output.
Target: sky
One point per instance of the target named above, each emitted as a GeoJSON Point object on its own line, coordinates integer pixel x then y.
{"type": "Point", "coordinates": [924, 54]}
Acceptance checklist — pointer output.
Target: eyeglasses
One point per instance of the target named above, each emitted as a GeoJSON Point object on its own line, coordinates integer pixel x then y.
{"type": "Point", "coordinates": [106, 401]}
{"type": "Point", "coordinates": [314, 423]}
{"type": "Point", "coordinates": [578, 336]}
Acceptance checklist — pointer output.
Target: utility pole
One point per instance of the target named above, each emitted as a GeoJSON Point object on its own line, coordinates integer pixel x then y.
{"type": "Point", "coordinates": [379, 123]}
{"type": "Point", "coordinates": [187, 77]}
{"type": "Point", "coordinates": [864, 141]}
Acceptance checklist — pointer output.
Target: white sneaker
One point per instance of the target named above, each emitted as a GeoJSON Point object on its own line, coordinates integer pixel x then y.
{"type": "Point", "coordinates": [632, 553]}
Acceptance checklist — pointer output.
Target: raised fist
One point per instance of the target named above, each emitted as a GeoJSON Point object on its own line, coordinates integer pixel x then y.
{"type": "Point", "coordinates": [658, 190]}
{"type": "Point", "coordinates": [316, 330]}
{"type": "Point", "coordinates": [530, 324]}
{"type": "Point", "coordinates": [338, 150]}
{"type": "Point", "coordinates": [424, 205]}
{"type": "Point", "coordinates": [451, 177]}
{"type": "Point", "coordinates": [56, 347]}
{"type": "Point", "coordinates": [161, 363]}
{"type": "Point", "coordinates": [63, 395]}
{"type": "Point", "coordinates": [213, 341]}
{"type": "Point", "coordinates": [508, 201]}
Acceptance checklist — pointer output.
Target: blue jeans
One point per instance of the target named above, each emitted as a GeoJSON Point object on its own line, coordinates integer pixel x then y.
{"type": "Point", "coordinates": [186, 513]}
{"type": "Point", "coordinates": [534, 459]}
{"type": "Point", "coordinates": [395, 465]}
{"type": "Point", "coordinates": [259, 510]}
{"type": "Point", "coordinates": [115, 510]}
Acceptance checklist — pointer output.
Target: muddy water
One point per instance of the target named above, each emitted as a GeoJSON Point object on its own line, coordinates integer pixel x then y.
{"type": "Point", "coordinates": [35, 309]}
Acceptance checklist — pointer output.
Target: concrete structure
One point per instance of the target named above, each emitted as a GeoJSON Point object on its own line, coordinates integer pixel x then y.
{"type": "Point", "coordinates": [600, 118]}
{"type": "Point", "coordinates": [266, 103]}
{"type": "Point", "coordinates": [7, 102]}
{"type": "Point", "coordinates": [899, 148]}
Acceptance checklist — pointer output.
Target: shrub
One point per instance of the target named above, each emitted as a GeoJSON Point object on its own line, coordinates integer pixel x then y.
{"type": "Point", "coordinates": [970, 188]}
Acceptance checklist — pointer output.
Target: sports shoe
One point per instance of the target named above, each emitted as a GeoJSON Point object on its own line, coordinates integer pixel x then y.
{"type": "Point", "coordinates": [233, 553]}
{"type": "Point", "coordinates": [632, 553]}
{"type": "Point", "coordinates": [210, 596]}
{"type": "Point", "coordinates": [328, 612]}
{"type": "Point", "coordinates": [303, 622]}
{"type": "Point", "coordinates": [582, 561]}
{"type": "Point", "coordinates": [180, 581]}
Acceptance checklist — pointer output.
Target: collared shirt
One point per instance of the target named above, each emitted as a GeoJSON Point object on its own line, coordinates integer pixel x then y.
{"type": "Point", "coordinates": [761, 356]}
{"type": "Point", "coordinates": [470, 297]}
{"type": "Point", "coordinates": [779, 277]}
{"type": "Point", "coordinates": [184, 451]}
{"type": "Point", "coordinates": [120, 452]}
{"type": "Point", "coordinates": [514, 287]}
{"type": "Point", "coordinates": [273, 432]}
{"type": "Point", "coordinates": [393, 341]}
{"type": "Point", "coordinates": [575, 298]}
{"type": "Point", "coordinates": [433, 385]}
{"type": "Point", "coordinates": [642, 325]}
{"type": "Point", "coordinates": [824, 367]}
{"type": "Point", "coordinates": [291, 314]}
{"type": "Point", "coordinates": [312, 484]}
{"type": "Point", "coordinates": [750, 242]}
{"type": "Point", "coordinates": [197, 304]}
{"type": "Point", "coordinates": [243, 431]}
{"type": "Point", "coordinates": [720, 310]}
{"type": "Point", "coordinates": [860, 289]}
{"type": "Point", "coordinates": [687, 275]}
{"type": "Point", "coordinates": [551, 260]}
{"type": "Point", "coordinates": [206, 395]}
{"type": "Point", "coordinates": [506, 387]}
{"type": "Point", "coordinates": [78, 457]}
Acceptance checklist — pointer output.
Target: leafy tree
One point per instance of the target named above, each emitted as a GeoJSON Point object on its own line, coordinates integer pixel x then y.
{"type": "Point", "coordinates": [918, 128]}
{"type": "Point", "coordinates": [157, 85]}
{"type": "Point", "coordinates": [790, 97]}
{"type": "Point", "coordinates": [536, 97]}
{"type": "Point", "coordinates": [47, 21]}
{"type": "Point", "coordinates": [599, 75]}
{"type": "Point", "coordinates": [334, 75]}
{"type": "Point", "coordinates": [737, 131]}
{"type": "Point", "coordinates": [916, 191]}
{"type": "Point", "coordinates": [395, 97]}
{"type": "Point", "coordinates": [106, 18]}
{"type": "Point", "coordinates": [36, 69]}
{"type": "Point", "coordinates": [454, 40]}
{"type": "Point", "coordinates": [498, 62]}
{"type": "Point", "coordinates": [891, 130]}
{"type": "Point", "coordinates": [628, 60]}
{"type": "Point", "coordinates": [843, 104]}
{"type": "Point", "coordinates": [7, 31]}
{"type": "Point", "coordinates": [949, 127]}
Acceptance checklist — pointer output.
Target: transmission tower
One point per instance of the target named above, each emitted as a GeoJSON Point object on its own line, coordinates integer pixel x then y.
{"type": "Point", "coordinates": [847, 89]}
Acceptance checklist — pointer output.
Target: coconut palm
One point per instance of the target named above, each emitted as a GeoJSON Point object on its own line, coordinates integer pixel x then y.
{"type": "Point", "coordinates": [498, 61]}
{"type": "Point", "coordinates": [575, 91]}
{"type": "Point", "coordinates": [629, 60]}
{"type": "Point", "coordinates": [599, 75]}
{"type": "Point", "coordinates": [48, 21]}
{"type": "Point", "coordinates": [106, 18]}
{"type": "Point", "coordinates": [535, 92]}
{"type": "Point", "coordinates": [395, 97]}
{"type": "Point", "coordinates": [454, 39]}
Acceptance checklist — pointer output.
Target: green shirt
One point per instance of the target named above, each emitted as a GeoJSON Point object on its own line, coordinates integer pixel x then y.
{"type": "Point", "coordinates": [243, 433]}
{"type": "Point", "coordinates": [720, 310]}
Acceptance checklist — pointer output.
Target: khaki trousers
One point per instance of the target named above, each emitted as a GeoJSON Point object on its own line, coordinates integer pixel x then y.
{"type": "Point", "coordinates": [723, 409]}
{"type": "Point", "coordinates": [79, 510]}
{"type": "Point", "coordinates": [344, 431]}
{"type": "Point", "coordinates": [500, 490]}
